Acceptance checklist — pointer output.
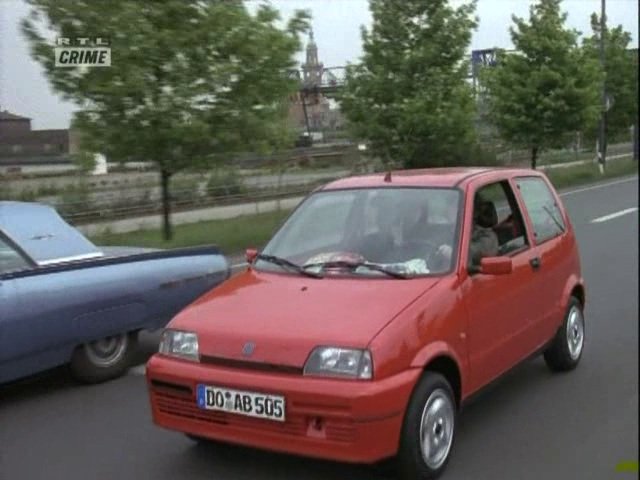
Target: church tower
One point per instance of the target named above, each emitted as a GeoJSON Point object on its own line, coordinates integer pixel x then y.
{"type": "Point", "coordinates": [312, 68]}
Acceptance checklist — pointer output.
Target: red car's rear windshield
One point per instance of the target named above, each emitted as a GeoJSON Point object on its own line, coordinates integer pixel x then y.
{"type": "Point", "coordinates": [412, 231]}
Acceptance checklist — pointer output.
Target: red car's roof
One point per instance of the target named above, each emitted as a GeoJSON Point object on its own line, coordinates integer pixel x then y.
{"type": "Point", "coordinates": [428, 177]}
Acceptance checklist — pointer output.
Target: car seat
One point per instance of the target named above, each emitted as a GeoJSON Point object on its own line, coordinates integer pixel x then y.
{"type": "Point", "coordinates": [485, 214]}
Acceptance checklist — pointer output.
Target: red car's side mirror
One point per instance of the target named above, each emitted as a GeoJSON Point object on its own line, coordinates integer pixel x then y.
{"type": "Point", "coordinates": [496, 265]}
{"type": "Point", "coordinates": [250, 254]}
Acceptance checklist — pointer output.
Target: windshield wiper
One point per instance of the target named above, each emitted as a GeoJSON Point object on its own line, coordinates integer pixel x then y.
{"type": "Point", "coordinates": [353, 265]}
{"type": "Point", "coordinates": [284, 263]}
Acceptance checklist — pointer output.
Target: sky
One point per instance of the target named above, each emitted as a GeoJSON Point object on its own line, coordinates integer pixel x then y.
{"type": "Point", "coordinates": [336, 23]}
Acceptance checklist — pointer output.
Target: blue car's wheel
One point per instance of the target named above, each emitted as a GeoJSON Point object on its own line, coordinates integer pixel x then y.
{"type": "Point", "coordinates": [103, 359]}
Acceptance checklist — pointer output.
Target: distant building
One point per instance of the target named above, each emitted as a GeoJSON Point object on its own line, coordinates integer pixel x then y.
{"type": "Point", "coordinates": [21, 145]}
{"type": "Point", "coordinates": [12, 125]}
{"type": "Point", "coordinates": [312, 68]}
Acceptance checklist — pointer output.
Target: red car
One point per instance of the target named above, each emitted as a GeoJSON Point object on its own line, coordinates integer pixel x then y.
{"type": "Point", "coordinates": [380, 305]}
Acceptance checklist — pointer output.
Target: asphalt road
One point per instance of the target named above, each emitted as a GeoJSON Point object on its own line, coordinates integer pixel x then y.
{"type": "Point", "coordinates": [531, 425]}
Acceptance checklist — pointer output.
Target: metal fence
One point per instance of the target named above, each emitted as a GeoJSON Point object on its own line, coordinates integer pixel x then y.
{"type": "Point", "coordinates": [81, 211]}
{"type": "Point", "coordinates": [88, 204]}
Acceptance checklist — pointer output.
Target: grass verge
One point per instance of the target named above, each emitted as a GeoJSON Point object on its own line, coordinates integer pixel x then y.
{"type": "Point", "coordinates": [236, 234]}
{"type": "Point", "coordinates": [589, 173]}
{"type": "Point", "coordinates": [232, 235]}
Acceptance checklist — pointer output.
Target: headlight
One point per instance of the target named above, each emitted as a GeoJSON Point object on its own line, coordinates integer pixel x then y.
{"type": "Point", "coordinates": [178, 343]}
{"type": "Point", "coordinates": [341, 362]}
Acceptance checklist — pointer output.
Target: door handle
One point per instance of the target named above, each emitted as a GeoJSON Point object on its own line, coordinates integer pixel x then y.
{"type": "Point", "coordinates": [535, 263]}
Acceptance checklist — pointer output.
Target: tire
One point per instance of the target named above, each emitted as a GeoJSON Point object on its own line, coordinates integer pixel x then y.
{"type": "Point", "coordinates": [432, 408]}
{"type": "Point", "coordinates": [103, 359]}
{"type": "Point", "coordinates": [197, 439]}
{"type": "Point", "coordinates": [203, 440]}
{"type": "Point", "coordinates": [209, 443]}
{"type": "Point", "coordinates": [567, 346]}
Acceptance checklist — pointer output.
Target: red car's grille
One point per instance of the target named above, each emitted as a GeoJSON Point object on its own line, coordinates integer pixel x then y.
{"type": "Point", "coordinates": [183, 406]}
{"type": "Point", "coordinates": [250, 365]}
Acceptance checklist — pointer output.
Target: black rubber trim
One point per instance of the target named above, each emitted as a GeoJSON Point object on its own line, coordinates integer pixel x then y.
{"type": "Point", "coordinates": [171, 386]}
{"type": "Point", "coordinates": [249, 365]}
{"type": "Point", "coordinates": [470, 399]}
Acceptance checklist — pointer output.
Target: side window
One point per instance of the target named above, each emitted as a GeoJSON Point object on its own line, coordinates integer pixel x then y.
{"type": "Point", "coordinates": [545, 214]}
{"type": "Point", "coordinates": [10, 259]}
{"type": "Point", "coordinates": [498, 227]}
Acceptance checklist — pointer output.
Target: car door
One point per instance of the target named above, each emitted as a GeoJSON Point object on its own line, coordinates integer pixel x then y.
{"type": "Point", "coordinates": [11, 261]}
{"type": "Point", "coordinates": [499, 307]}
{"type": "Point", "coordinates": [7, 312]}
{"type": "Point", "coordinates": [552, 243]}
{"type": "Point", "coordinates": [37, 325]}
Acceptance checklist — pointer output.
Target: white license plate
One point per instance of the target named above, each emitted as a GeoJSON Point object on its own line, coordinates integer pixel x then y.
{"type": "Point", "coordinates": [251, 404]}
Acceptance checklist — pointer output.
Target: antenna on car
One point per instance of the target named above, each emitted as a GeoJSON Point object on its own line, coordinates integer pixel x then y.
{"type": "Point", "coordinates": [387, 177]}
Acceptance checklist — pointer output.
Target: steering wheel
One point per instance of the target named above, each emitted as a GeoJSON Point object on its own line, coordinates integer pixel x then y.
{"type": "Point", "coordinates": [427, 250]}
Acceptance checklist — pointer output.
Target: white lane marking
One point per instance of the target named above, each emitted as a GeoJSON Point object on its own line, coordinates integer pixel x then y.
{"type": "Point", "coordinates": [599, 185]}
{"type": "Point", "coordinates": [570, 192]}
{"type": "Point", "coordinates": [138, 370]}
{"type": "Point", "coordinates": [613, 215]}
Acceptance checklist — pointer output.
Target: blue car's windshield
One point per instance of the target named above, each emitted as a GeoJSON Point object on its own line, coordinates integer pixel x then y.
{"type": "Point", "coordinates": [409, 230]}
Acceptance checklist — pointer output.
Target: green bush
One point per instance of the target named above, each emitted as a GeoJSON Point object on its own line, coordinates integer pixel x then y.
{"type": "Point", "coordinates": [74, 198]}
{"type": "Point", "coordinates": [5, 192]}
{"type": "Point", "coordinates": [225, 183]}
{"type": "Point", "coordinates": [471, 155]}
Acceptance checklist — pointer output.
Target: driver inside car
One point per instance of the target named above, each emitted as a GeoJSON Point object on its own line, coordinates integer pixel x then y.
{"type": "Point", "coordinates": [484, 241]}
{"type": "Point", "coordinates": [418, 233]}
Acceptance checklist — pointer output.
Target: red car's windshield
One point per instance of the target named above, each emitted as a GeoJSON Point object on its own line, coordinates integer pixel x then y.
{"type": "Point", "coordinates": [408, 230]}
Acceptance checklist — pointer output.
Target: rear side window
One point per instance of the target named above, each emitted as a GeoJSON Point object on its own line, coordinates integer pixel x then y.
{"type": "Point", "coordinates": [545, 214]}
{"type": "Point", "coordinates": [10, 259]}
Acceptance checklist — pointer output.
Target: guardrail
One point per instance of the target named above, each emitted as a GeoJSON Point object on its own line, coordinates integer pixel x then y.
{"type": "Point", "coordinates": [523, 157]}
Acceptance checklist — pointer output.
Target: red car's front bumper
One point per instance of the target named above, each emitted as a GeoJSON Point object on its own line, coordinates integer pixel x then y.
{"type": "Point", "coordinates": [351, 421]}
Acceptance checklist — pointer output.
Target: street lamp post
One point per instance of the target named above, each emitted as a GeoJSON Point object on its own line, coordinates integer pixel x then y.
{"type": "Point", "coordinates": [602, 141]}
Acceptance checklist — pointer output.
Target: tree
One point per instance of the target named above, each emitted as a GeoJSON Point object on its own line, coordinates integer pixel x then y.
{"type": "Point", "coordinates": [621, 76]}
{"type": "Point", "coordinates": [190, 80]}
{"type": "Point", "coordinates": [409, 98]}
{"type": "Point", "coordinates": [548, 89]}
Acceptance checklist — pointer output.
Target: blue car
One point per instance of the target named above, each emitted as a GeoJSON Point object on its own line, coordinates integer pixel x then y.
{"type": "Point", "coordinates": [64, 300]}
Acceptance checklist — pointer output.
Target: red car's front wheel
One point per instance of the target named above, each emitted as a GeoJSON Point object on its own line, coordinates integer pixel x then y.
{"type": "Point", "coordinates": [428, 430]}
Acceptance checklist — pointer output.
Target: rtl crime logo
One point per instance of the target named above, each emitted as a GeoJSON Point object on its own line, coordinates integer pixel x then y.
{"type": "Point", "coordinates": [83, 52]}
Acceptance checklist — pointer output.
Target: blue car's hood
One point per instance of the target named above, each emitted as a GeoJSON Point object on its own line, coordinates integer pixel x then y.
{"type": "Point", "coordinates": [42, 234]}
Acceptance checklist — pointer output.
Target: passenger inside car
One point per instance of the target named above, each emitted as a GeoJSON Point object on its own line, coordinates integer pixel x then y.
{"type": "Point", "coordinates": [378, 245]}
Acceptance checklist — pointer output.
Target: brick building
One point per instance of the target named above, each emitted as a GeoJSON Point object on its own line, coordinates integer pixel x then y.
{"type": "Point", "coordinates": [20, 144]}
